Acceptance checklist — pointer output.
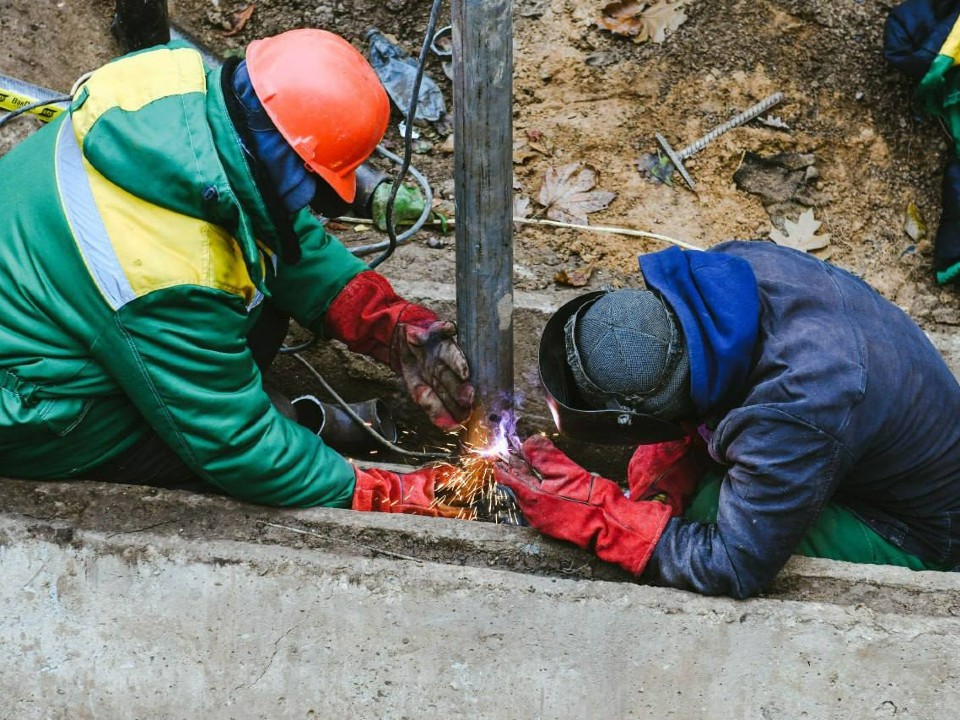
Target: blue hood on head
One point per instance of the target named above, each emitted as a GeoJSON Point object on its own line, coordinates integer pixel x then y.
{"type": "Point", "coordinates": [286, 170]}
{"type": "Point", "coordinates": [715, 298]}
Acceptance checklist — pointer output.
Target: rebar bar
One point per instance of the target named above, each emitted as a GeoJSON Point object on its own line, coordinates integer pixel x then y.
{"type": "Point", "coordinates": [746, 116]}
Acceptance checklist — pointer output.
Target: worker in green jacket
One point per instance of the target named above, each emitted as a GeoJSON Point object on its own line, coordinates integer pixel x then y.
{"type": "Point", "coordinates": [154, 240]}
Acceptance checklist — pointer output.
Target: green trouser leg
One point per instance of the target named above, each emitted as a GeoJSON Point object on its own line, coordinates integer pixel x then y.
{"type": "Point", "coordinates": [837, 534]}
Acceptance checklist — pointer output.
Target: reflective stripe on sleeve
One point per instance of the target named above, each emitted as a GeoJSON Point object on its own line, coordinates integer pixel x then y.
{"type": "Point", "coordinates": [86, 223]}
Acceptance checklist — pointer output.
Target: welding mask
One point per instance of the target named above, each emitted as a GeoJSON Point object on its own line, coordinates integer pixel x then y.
{"type": "Point", "coordinates": [610, 380]}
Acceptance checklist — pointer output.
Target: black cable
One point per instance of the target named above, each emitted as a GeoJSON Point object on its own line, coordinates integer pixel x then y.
{"type": "Point", "coordinates": [408, 134]}
{"type": "Point", "coordinates": [413, 229]}
{"type": "Point", "coordinates": [404, 167]}
{"type": "Point", "coordinates": [32, 106]}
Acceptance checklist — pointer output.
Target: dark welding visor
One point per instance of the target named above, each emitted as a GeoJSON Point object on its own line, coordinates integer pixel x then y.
{"type": "Point", "coordinates": [572, 415]}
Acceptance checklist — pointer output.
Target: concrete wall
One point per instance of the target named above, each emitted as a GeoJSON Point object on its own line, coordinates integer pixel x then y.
{"type": "Point", "coordinates": [124, 602]}
{"type": "Point", "coordinates": [129, 602]}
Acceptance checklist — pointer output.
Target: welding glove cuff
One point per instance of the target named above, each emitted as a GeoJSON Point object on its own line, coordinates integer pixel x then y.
{"type": "Point", "coordinates": [372, 319]}
{"type": "Point", "coordinates": [415, 493]}
{"type": "Point", "coordinates": [668, 472]}
{"type": "Point", "coordinates": [563, 500]}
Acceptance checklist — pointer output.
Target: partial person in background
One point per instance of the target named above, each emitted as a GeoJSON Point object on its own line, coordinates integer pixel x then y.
{"type": "Point", "coordinates": [922, 40]}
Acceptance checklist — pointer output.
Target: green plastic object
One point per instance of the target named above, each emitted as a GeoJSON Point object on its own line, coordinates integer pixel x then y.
{"type": "Point", "coordinates": [407, 208]}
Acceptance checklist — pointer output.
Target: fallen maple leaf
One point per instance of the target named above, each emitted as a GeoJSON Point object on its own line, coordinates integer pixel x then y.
{"type": "Point", "coordinates": [661, 20]}
{"type": "Point", "coordinates": [239, 20]}
{"type": "Point", "coordinates": [801, 235]}
{"type": "Point", "coordinates": [574, 278]}
{"type": "Point", "coordinates": [643, 20]}
{"type": "Point", "coordinates": [566, 193]}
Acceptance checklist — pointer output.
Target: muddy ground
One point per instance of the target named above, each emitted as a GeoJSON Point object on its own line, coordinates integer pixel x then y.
{"type": "Point", "coordinates": [583, 94]}
{"type": "Point", "coordinates": [587, 95]}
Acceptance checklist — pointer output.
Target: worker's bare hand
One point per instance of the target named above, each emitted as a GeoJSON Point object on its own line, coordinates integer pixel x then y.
{"type": "Point", "coordinates": [435, 371]}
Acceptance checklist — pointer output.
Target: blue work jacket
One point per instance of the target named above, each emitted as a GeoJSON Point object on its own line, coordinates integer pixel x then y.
{"type": "Point", "coordinates": [843, 399]}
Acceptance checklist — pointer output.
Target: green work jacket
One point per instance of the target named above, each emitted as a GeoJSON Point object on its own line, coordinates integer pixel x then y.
{"type": "Point", "coordinates": [135, 249]}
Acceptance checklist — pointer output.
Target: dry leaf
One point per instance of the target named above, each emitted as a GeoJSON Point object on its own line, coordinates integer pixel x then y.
{"type": "Point", "coordinates": [239, 20]}
{"type": "Point", "coordinates": [522, 152]}
{"type": "Point", "coordinates": [774, 122]}
{"type": "Point", "coordinates": [574, 278]}
{"type": "Point", "coordinates": [801, 235]}
{"type": "Point", "coordinates": [444, 207]}
{"type": "Point", "coordinates": [539, 142]}
{"type": "Point", "coordinates": [566, 193]}
{"type": "Point", "coordinates": [622, 18]}
{"type": "Point", "coordinates": [643, 20]}
{"type": "Point", "coordinates": [521, 208]}
{"type": "Point", "coordinates": [913, 223]}
{"type": "Point", "coordinates": [662, 19]}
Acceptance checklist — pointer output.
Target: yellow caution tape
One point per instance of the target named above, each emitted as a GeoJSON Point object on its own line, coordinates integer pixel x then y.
{"type": "Point", "coordinates": [10, 100]}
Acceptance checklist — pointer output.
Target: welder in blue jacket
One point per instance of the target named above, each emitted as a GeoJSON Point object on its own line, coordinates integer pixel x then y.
{"type": "Point", "coordinates": [828, 419]}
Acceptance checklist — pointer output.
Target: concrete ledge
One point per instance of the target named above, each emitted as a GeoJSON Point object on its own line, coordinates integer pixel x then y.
{"type": "Point", "coordinates": [131, 602]}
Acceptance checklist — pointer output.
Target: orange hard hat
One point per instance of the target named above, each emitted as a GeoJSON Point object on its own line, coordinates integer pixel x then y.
{"type": "Point", "coordinates": [324, 98]}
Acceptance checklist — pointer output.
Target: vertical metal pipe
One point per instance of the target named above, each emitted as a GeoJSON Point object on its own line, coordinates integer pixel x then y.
{"type": "Point", "coordinates": [483, 174]}
{"type": "Point", "coordinates": [139, 24]}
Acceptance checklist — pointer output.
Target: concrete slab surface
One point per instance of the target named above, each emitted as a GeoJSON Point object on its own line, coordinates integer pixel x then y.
{"type": "Point", "coordinates": [131, 602]}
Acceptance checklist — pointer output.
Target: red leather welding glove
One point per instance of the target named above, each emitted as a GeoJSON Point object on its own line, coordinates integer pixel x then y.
{"type": "Point", "coordinates": [372, 319]}
{"type": "Point", "coordinates": [668, 472]}
{"type": "Point", "coordinates": [570, 503]}
{"type": "Point", "coordinates": [414, 493]}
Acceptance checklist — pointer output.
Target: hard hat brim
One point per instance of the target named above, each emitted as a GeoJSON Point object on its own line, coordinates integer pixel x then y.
{"type": "Point", "coordinates": [344, 185]}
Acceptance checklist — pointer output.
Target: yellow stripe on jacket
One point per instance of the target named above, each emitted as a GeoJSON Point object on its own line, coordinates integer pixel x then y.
{"type": "Point", "coordinates": [951, 46]}
{"type": "Point", "coordinates": [136, 80]}
{"type": "Point", "coordinates": [134, 247]}
{"type": "Point", "coordinates": [159, 248]}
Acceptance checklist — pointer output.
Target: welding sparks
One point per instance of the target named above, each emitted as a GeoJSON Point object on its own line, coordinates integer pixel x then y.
{"type": "Point", "coordinates": [498, 448]}
{"type": "Point", "coordinates": [470, 487]}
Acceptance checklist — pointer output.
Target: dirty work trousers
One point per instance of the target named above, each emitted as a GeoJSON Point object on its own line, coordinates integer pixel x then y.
{"type": "Point", "coordinates": [837, 534]}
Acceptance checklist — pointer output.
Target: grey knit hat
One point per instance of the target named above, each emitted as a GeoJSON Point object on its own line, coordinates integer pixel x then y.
{"type": "Point", "coordinates": [626, 351]}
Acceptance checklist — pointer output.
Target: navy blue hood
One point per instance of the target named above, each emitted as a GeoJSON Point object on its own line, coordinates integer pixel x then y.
{"type": "Point", "coordinates": [715, 298]}
{"type": "Point", "coordinates": [295, 185]}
